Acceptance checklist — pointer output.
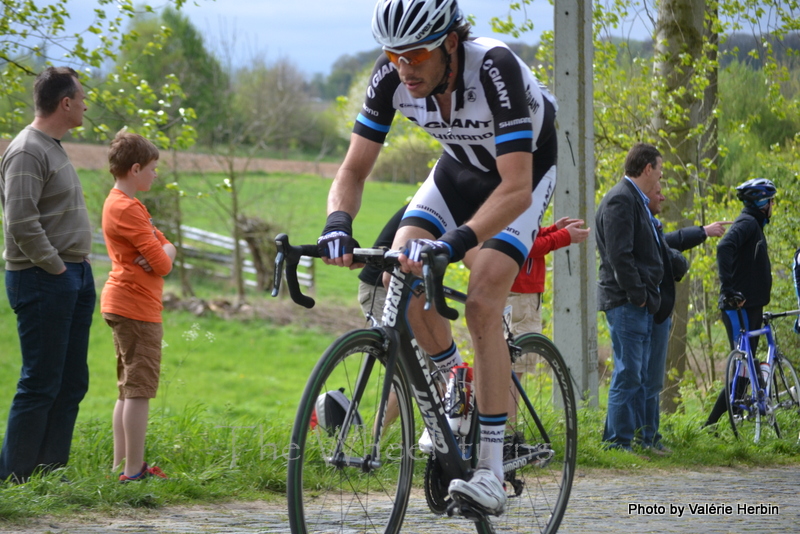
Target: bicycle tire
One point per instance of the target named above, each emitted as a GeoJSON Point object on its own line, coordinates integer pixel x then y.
{"type": "Point", "coordinates": [326, 497]}
{"type": "Point", "coordinates": [785, 397]}
{"type": "Point", "coordinates": [744, 415]}
{"type": "Point", "coordinates": [538, 494]}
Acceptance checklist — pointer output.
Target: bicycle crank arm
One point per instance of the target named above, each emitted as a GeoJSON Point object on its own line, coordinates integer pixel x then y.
{"type": "Point", "coordinates": [539, 457]}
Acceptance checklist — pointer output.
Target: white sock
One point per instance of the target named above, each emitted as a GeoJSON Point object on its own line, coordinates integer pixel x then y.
{"type": "Point", "coordinates": [448, 359]}
{"type": "Point", "coordinates": [493, 429]}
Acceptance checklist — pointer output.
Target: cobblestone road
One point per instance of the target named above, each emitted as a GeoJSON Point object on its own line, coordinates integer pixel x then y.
{"type": "Point", "coordinates": [600, 502]}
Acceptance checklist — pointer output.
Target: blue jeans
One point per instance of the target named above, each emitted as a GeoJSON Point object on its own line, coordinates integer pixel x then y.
{"type": "Point", "coordinates": [630, 328]}
{"type": "Point", "coordinates": [654, 383]}
{"type": "Point", "coordinates": [54, 313]}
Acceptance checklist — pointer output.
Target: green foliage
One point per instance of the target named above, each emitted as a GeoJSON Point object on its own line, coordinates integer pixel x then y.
{"type": "Point", "coordinates": [36, 34]}
{"type": "Point", "coordinates": [168, 53]}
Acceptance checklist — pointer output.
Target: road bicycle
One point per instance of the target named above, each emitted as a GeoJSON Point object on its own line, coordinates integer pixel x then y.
{"type": "Point", "coordinates": [762, 402]}
{"type": "Point", "coordinates": [357, 475]}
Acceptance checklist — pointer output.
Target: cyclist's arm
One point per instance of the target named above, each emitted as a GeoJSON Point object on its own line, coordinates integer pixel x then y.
{"type": "Point", "coordinates": [348, 185]}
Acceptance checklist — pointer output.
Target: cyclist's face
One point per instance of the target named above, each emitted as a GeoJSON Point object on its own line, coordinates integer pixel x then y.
{"type": "Point", "coordinates": [422, 78]}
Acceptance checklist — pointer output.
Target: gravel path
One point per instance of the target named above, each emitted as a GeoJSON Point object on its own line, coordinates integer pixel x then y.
{"type": "Point", "coordinates": [708, 501]}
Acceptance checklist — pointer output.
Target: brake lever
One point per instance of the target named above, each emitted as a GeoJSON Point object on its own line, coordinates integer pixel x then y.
{"type": "Point", "coordinates": [433, 269]}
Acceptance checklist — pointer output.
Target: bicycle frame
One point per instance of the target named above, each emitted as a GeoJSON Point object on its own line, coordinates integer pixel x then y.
{"type": "Point", "coordinates": [401, 341]}
{"type": "Point", "coordinates": [759, 400]}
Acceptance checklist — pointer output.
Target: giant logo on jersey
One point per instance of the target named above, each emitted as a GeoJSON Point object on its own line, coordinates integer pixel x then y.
{"type": "Point", "coordinates": [499, 84]}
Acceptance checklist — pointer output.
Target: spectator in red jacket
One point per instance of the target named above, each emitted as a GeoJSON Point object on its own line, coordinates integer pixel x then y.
{"type": "Point", "coordinates": [525, 298]}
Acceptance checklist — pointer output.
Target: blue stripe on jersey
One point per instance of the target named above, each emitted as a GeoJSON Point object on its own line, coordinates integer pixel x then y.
{"type": "Point", "coordinates": [372, 124]}
{"type": "Point", "coordinates": [428, 217]}
{"type": "Point", "coordinates": [514, 242]}
{"type": "Point", "coordinates": [513, 136]}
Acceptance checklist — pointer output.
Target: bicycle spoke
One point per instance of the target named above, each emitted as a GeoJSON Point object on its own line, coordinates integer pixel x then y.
{"type": "Point", "coordinates": [349, 492]}
{"type": "Point", "coordinates": [786, 404]}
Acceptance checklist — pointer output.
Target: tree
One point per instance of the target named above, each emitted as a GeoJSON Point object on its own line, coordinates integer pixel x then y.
{"type": "Point", "coordinates": [182, 53]}
{"type": "Point", "coordinates": [711, 116]}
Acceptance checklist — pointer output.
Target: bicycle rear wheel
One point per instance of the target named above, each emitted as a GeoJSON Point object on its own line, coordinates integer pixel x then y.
{"type": "Point", "coordinates": [334, 483]}
{"type": "Point", "coordinates": [743, 412]}
{"type": "Point", "coordinates": [785, 400]}
{"type": "Point", "coordinates": [541, 442]}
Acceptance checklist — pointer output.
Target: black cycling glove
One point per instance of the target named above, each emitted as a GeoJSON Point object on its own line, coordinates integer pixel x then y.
{"type": "Point", "coordinates": [336, 239]}
{"type": "Point", "coordinates": [730, 300]}
{"type": "Point", "coordinates": [455, 242]}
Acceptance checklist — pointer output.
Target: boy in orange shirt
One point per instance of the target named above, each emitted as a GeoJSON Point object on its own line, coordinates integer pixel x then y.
{"type": "Point", "coordinates": [131, 299]}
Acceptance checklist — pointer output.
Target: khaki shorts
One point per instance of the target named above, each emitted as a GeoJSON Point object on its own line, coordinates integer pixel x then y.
{"type": "Point", "coordinates": [526, 316]}
{"type": "Point", "coordinates": [368, 303]}
{"type": "Point", "coordinates": [138, 347]}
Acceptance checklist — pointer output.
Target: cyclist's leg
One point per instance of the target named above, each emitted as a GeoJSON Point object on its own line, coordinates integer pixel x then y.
{"type": "Point", "coordinates": [493, 272]}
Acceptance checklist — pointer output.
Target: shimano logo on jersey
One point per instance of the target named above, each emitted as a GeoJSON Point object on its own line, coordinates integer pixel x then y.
{"type": "Point", "coordinates": [499, 84]}
{"type": "Point", "coordinates": [393, 299]}
{"type": "Point", "coordinates": [460, 137]}
{"type": "Point", "coordinates": [426, 406]}
{"type": "Point", "coordinates": [508, 124]}
{"type": "Point", "coordinates": [369, 111]}
{"type": "Point", "coordinates": [512, 230]}
{"type": "Point", "coordinates": [417, 106]}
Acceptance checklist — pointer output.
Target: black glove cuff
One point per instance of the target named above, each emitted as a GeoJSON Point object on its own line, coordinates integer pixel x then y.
{"type": "Point", "coordinates": [339, 221]}
{"type": "Point", "coordinates": [460, 239]}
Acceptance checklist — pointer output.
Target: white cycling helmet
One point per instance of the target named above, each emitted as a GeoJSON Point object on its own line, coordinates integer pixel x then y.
{"type": "Point", "coordinates": [397, 24]}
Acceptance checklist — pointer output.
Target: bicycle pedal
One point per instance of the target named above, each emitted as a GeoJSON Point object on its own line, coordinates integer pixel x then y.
{"type": "Point", "coordinates": [465, 509]}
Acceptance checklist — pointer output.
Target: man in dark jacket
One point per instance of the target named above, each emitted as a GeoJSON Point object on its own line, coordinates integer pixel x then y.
{"type": "Point", "coordinates": [745, 273]}
{"type": "Point", "coordinates": [675, 267]}
{"type": "Point", "coordinates": [630, 272]}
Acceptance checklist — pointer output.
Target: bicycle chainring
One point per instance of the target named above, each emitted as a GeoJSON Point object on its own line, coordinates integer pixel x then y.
{"type": "Point", "coordinates": [435, 489]}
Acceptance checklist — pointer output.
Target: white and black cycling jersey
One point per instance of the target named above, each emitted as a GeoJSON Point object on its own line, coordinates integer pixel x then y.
{"type": "Point", "coordinates": [498, 107]}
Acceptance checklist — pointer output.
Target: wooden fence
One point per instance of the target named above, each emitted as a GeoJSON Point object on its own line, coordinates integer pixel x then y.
{"type": "Point", "coordinates": [201, 244]}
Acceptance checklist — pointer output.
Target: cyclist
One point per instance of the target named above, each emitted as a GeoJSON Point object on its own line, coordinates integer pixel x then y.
{"type": "Point", "coordinates": [490, 186]}
{"type": "Point", "coordinates": [745, 273]}
{"type": "Point", "coordinates": [796, 278]}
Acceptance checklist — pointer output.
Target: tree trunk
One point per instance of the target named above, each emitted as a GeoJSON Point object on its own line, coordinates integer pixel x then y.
{"type": "Point", "coordinates": [186, 285]}
{"type": "Point", "coordinates": [679, 33]}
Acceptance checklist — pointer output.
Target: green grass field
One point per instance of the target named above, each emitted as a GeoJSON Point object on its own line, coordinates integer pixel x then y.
{"type": "Point", "coordinates": [229, 391]}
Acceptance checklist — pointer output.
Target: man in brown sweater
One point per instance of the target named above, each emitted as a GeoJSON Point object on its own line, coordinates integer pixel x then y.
{"type": "Point", "coordinates": [49, 280]}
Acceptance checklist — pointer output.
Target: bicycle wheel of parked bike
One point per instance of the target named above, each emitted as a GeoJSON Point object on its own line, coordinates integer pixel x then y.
{"type": "Point", "coordinates": [541, 445]}
{"type": "Point", "coordinates": [746, 419]}
{"type": "Point", "coordinates": [335, 483]}
{"type": "Point", "coordinates": [785, 401]}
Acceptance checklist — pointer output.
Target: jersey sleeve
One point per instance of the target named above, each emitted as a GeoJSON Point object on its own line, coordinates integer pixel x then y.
{"type": "Point", "coordinates": [375, 118]}
{"type": "Point", "coordinates": [508, 98]}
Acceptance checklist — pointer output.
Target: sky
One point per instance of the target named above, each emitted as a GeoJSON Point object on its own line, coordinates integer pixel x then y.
{"type": "Point", "coordinates": [312, 34]}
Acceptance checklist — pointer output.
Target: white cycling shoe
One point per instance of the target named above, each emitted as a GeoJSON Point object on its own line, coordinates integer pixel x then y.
{"type": "Point", "coordinates": [425, 443]}
{"type": "Point", "coordinates": [483, 490]}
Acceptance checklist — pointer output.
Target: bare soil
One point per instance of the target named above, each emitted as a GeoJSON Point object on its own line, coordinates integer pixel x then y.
{"type": "Point", "coordinates": [94, 157]}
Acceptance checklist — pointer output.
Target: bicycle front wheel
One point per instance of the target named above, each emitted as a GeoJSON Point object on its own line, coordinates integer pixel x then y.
{"type": "Point", "coordinates": [336, 480]}
{"type": "Point", "coordinates": [541, 443]}
{"type": "Point", "coordinates": [743, 409]}
{"type": "Point", "coordinates": [785, 400]}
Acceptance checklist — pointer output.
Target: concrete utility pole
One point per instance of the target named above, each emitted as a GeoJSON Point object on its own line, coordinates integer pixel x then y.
{"type": "Point", "coordinates": [574, 267]}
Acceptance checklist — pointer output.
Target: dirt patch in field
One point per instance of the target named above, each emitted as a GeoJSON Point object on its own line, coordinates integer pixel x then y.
{"type": "Point", "coordinates": [94, 157]}
{"type": "Point", "coordinates": [328, 318]}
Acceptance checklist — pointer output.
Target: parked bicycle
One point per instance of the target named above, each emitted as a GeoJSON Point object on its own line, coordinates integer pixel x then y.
{"type": "Point", "coordinates": [352, 462]}
{"type": "Point", "coordinates": [762, 396]}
